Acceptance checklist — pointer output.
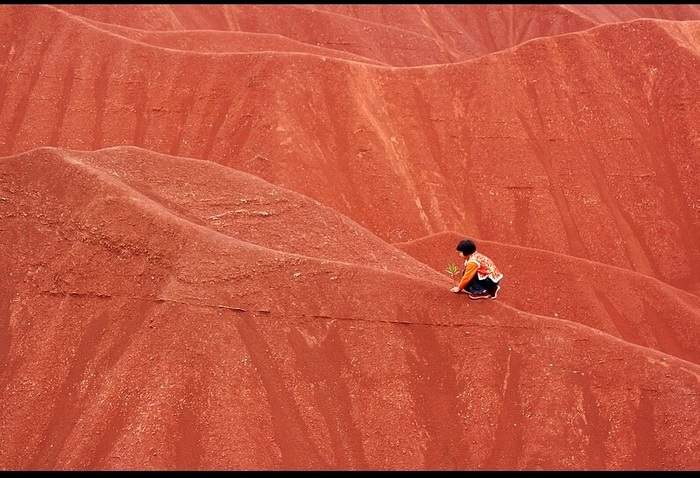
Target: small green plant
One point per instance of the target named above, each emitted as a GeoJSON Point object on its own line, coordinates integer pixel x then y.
{"type": "Point", "coordinates": [453, 270]}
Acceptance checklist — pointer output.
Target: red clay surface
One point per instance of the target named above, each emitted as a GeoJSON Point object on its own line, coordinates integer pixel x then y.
{"type": "Point", "coordinates": [224, 232]}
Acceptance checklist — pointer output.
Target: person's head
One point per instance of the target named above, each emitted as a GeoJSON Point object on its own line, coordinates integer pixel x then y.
{"type": "Point", "coordinates": [466, 247]}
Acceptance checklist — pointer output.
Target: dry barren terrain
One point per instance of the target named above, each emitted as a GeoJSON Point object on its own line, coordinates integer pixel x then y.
{"type": "Point", "coordinates": [224, 233]}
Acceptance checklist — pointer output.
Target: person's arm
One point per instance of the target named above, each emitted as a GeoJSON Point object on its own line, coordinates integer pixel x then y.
{"type": "Point", "coordinates": [469, 272]}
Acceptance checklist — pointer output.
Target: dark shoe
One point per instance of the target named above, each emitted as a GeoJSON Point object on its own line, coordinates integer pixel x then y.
{"type": "Point", "coordinates": [482, 295]}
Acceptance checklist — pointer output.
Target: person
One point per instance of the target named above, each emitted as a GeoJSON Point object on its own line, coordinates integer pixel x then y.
{"type": "Point", "coordinates": [481, 277]}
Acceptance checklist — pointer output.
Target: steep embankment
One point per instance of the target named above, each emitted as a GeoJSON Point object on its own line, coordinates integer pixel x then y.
{"type": "Point", "coordinates": [224, 232]}
{"type": "Point", "coordinates": [631, 306]}
{"type": "Point", "coordinates": [144, 333]}
{"type": "Point", "coordinates": [400, 35]}
{"type": "Point", "coordinates": [580, 144]}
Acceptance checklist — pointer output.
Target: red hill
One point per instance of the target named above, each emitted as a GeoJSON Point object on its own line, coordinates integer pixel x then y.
{"type": "Point", "coordinates": [225, 228]}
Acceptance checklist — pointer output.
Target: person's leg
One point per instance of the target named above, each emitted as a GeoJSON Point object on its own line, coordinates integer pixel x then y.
{"type": "Point", "coordinates": [476, 290]}
{"type": "Point", "coordinates": [475, 287]}
{"type": "Point", "coordinates": [488, 287]}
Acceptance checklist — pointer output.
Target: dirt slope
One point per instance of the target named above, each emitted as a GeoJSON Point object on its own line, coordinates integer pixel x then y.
{"type": "Point", "coordinates": [143, 333]}
{"type": "Point", "coordinates": [595, 162]}
{"type": "Point", "coordinates": [225, 228]}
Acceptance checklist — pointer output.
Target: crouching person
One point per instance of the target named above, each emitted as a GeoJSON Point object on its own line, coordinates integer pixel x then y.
{"type": "Point", "coordinates": [481, 276]}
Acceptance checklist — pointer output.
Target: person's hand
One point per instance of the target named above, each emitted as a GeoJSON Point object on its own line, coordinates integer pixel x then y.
{"type": "Point", "coordinates": [455, 289]}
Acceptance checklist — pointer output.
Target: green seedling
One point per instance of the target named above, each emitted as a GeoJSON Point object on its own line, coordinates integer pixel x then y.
{"type": "Point", "coordinates": [453, 270]}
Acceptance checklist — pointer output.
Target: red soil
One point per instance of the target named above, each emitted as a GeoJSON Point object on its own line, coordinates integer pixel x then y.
{"type": "Point", "coordinates": [225, 232]}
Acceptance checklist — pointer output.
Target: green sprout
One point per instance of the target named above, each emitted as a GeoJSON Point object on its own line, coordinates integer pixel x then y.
{"type": "Point", "coordinates": [453, 270]}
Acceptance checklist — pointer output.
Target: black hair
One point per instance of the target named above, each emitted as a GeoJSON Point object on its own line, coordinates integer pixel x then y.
{"type": "Point", "coordinates": [466, 247]}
